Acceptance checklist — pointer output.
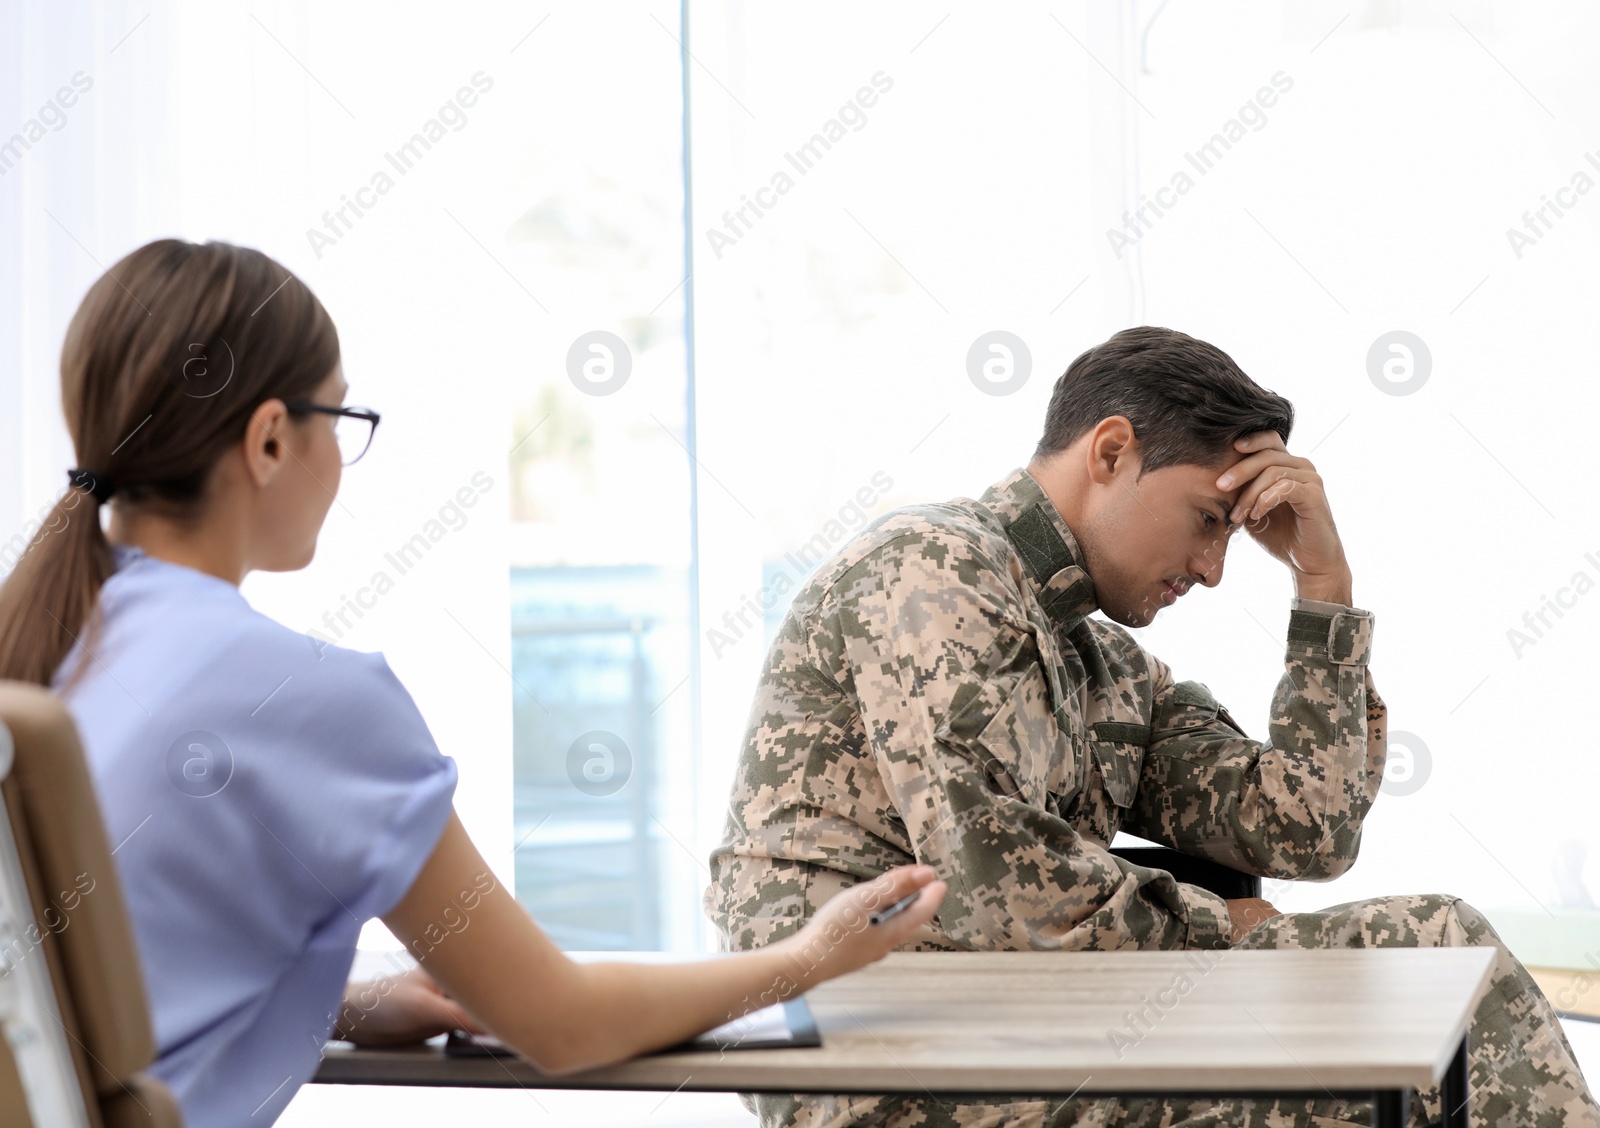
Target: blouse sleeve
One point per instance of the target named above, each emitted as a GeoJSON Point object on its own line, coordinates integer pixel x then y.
{"type": "Point", "coordinates": [363, 792]}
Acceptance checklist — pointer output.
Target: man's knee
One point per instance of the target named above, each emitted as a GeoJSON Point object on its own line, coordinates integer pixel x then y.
{"type": "Point", "coordinates": [1419, 920]}
{"type": "Point", "coordinates": [1469, 925]}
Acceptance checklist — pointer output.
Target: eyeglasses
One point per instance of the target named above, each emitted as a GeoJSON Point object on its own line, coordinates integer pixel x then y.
{"type": "Point", "coordinates": [352, 426]}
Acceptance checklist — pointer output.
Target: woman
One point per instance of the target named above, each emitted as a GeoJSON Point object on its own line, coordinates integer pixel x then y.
{"type": "Point", "coordinates": [267, 794]}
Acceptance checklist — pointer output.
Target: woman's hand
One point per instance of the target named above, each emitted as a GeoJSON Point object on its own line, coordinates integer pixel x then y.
{"type": "Point", "coordinates": [841, 938]}
{"type": "Point", "coordinates": [397, 1009]}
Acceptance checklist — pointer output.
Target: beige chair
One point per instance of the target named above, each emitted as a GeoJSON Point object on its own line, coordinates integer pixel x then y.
{"type": "Point", "coordinates": [72, 1001]}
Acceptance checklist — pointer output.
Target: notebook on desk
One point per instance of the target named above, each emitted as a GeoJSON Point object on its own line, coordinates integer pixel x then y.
{"type": "Point", "coordinates": [780, 1026]}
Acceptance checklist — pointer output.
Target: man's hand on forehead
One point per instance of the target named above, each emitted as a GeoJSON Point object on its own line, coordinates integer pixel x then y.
{"type": "Point", "coordinates": [1261, 450]}
{"type": "Point", "coordinates": [1282, 503]}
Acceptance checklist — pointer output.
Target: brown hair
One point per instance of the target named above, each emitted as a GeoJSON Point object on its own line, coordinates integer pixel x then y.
{"type": "Point", "coordinates": [1186, 399]}
{"type": "Point", "coordinates": [166, 359]}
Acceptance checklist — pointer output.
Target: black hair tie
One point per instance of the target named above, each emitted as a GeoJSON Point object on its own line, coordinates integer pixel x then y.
{"type": "Point", "coordinates": [95, 485]}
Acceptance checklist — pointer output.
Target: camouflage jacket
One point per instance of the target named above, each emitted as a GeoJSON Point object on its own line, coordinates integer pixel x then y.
{"type": "Point", "coordinates": [938, 693]}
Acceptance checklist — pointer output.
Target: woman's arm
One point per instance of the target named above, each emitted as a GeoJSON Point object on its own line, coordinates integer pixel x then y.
{"type": "Point", "coordinates": [481, 946]}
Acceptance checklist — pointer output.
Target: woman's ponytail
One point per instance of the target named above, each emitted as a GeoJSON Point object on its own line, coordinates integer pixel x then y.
{"type": "Point", "coordinates": [50, 594]}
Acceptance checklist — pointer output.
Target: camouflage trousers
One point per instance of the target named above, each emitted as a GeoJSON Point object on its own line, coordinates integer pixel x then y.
{"type": "Point", "coordinates": [1522, 1071]}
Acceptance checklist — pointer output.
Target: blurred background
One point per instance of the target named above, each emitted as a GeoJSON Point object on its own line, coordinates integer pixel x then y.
{"type": "Point", "coordinates": [698, 289]}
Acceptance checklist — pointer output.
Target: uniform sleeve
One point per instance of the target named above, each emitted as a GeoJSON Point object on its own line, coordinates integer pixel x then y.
{"type": "Point", "coordinates": [1291, 806]}
{"type": "Point", "coordinates": [952, 695]}
{"type": "Point", "coordinates": [363, 792]}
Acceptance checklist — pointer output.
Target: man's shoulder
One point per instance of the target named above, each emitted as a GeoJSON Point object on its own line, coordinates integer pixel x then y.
{"type": "Point", "coordinates": [959, 536]}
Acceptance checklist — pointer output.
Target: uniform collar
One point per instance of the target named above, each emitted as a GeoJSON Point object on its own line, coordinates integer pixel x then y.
{"type": "Point", "coordinates": [1051, 558]}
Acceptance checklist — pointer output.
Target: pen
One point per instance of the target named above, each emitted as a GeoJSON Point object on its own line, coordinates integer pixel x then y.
{"type": "Point", "coordinates": [899, 906]}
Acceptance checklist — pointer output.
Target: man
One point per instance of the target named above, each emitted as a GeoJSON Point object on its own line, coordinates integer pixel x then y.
{"type": "Point", "coordinates": [938, 692]}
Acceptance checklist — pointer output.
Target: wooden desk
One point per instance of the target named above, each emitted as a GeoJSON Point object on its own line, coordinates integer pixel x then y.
{"type": "Point", "coordinates": [1364, 1024]}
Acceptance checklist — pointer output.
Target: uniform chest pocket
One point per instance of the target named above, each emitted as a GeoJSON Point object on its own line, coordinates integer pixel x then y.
{"type": "Point", "coordinates": [1119, 752]}
{"type": "Point", "coordinates": [1021, 741]}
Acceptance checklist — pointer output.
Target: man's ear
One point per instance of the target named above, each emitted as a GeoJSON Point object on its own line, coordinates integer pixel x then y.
{"type": "Point", "coordinates": [1110, 443]}
{"type": "Point", "coordinates": [264, 446]}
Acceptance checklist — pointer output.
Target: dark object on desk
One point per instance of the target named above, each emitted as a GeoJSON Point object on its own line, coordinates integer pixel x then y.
{"type": "Point", "coordinates": [1190, 870]}
{"type": "Point", "coordinates": [760, 1030]}
{"type": "Point", "coordinates": [462, 1043]}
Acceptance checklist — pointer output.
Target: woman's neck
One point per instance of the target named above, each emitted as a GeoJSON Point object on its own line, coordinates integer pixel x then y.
{"type": "Point", "coordinates": [208, 547]}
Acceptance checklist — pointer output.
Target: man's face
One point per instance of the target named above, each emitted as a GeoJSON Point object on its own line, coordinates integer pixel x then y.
{"type": "Point", "coordinates": [1147, 540]}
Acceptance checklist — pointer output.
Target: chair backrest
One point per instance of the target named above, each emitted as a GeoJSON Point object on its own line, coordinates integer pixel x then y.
{"type": "Point", "coordinates": [72, 1000]}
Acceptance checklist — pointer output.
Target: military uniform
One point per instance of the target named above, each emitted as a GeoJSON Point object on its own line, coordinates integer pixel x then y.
{"type": "Point", "coordinates": [938, 693]}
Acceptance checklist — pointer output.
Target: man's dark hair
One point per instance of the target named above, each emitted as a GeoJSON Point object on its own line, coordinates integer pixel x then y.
{"type": "Point", "coordinates": [1186, 399]}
